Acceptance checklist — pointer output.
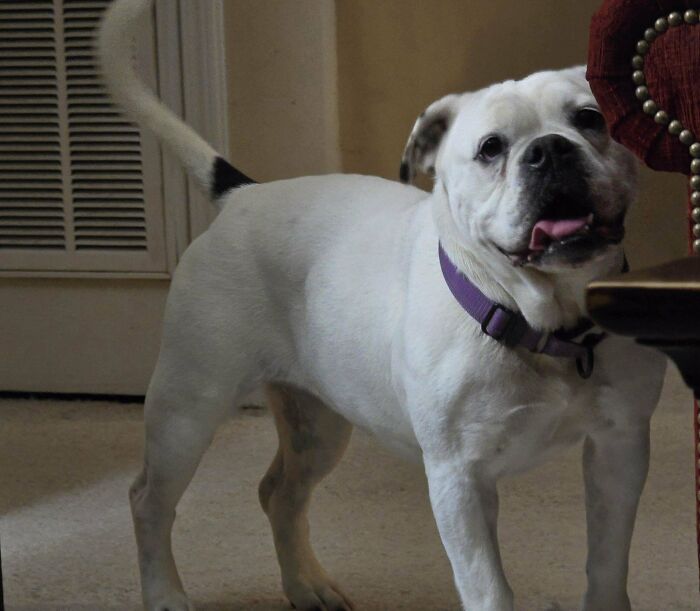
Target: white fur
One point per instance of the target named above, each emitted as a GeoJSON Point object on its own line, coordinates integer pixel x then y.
{"type": "Point", "coordinates": [332, 285]}
{"type": "Point", "coordinates": [114, 52]}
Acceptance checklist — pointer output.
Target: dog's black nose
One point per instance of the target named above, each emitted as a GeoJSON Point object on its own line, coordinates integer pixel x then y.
{"type": "Point", "coordinates": [548, 152]}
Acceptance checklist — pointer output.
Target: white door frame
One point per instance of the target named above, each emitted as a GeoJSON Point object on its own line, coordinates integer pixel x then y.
{"type": "Point", "coordinates": [193, 83]}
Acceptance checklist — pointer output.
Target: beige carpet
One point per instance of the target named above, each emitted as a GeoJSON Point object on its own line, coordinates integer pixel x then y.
{"type": "Point", "coordinates": [67, 542]}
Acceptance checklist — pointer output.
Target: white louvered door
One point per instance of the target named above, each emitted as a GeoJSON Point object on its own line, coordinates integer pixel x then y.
{"type": "Point", "coordinates": [80, 187]}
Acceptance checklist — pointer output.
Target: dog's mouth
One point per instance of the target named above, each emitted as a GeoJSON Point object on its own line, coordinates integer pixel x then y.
{"type": "Point", "coordinates": [572, 241]}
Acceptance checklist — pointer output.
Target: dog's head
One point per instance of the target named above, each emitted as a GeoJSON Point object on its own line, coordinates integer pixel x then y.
{"type": "Point", "coordinates": [528, 171]}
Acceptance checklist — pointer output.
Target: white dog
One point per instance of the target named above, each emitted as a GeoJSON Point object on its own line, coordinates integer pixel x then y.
{"type": "Point", "coordinates": [329, 292]}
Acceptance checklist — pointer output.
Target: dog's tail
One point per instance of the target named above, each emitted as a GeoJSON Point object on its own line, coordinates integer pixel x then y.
{"type": "Point", "coordinates": [114, 48]}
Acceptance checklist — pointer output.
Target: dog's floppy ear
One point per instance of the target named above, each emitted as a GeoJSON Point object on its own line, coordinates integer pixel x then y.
{"type": "Point", "coordinates": [427, 134]}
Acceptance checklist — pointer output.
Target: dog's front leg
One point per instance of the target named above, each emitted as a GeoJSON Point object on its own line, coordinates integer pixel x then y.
{"type": "Point", "coordinates": [466, 509]}
{"type": "Point", "coordinates": [615, 465]}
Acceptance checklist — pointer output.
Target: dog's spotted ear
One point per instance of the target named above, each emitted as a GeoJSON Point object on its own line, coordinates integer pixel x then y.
{"type": "Point", "coordinates": [427, 134]}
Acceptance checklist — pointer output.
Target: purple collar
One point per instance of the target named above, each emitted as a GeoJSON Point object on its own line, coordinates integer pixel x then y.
{"type": "Point", "coordinates": [511, 329]}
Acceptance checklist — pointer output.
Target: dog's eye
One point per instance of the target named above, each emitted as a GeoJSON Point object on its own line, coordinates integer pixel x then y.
{"type": "Point", "coordinates": [491, 148]}
{"type": "Point", "coordinates": [589, 119]}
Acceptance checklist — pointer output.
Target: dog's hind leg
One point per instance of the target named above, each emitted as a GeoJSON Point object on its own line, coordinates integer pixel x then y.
{"type": "Point", "coordinates": [312, 439]}
{"type": "Point", "coordinates": [197, 380]}
{"type": "Point", "coordinates": [179, 429]}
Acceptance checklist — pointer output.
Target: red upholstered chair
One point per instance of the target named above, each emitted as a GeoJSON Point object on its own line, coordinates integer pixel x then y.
{"type": "Point", "coordinates": [644, 69]}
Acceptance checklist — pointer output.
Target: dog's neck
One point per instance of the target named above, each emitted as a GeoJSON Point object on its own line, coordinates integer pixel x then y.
{"type": "Point", "coordinates": [547, 301]}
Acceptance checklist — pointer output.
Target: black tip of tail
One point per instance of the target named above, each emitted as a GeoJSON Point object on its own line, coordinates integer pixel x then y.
{"type": "Point", "coordinates": [225, 177]}
{"type": "Point", "coordinates": [404, 174]}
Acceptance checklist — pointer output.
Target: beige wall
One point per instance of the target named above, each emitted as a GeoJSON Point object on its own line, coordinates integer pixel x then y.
{"type": "Point", "coordinates": [282, 87]}
{"type": "Point", "coordinates": [393, 58]}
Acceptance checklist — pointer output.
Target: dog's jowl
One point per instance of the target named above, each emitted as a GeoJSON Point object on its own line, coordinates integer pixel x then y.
{"type": "Point", "coordinates": [450, 324]}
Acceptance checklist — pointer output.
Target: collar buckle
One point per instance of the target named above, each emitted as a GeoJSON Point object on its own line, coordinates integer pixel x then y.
{"type": "Point", "coordinates": [511, 326]}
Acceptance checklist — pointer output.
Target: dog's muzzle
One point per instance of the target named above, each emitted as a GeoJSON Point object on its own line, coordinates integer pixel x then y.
{"type": "Point", "coordinates": [555, 179]}
{"type": "Point", "coordinates": [560, 222]}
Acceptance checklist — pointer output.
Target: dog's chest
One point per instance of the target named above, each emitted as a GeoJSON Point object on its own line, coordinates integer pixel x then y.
{"type": "Point", "coordinates": [512, 411]}
{"type": "Point", "coordinates": [541, 420]}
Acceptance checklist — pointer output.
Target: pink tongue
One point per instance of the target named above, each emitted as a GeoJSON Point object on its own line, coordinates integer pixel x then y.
{"type": "Point", "coordinates": [545, 231]}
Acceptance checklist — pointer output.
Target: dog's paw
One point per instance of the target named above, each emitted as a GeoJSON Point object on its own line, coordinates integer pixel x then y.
{"type": "Point", "coordinates": [317, 594]}
{"type": "Point", "coordinates": [606, 603]}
